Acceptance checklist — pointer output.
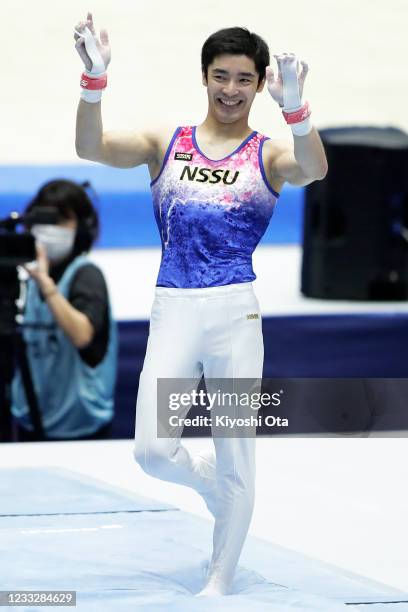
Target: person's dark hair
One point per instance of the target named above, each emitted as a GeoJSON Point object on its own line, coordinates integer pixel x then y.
{"type": "Point", "coordinates": [72, 202]}
{"type": "Point", "coordinates": [236, 41]}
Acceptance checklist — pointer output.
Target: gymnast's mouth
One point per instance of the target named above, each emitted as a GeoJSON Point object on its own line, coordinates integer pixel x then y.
{"type": "Point", "coordinates": [229, 103]}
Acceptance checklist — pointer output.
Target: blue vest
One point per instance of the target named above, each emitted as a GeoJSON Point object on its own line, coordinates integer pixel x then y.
{"type": "Point", "coordinates": [74, 399]}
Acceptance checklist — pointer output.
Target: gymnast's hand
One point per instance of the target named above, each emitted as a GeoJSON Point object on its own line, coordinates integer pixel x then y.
{"type": "Point", "coordinates": [94, 52]}
{"type": "Point", "coordinates": [287, 88]}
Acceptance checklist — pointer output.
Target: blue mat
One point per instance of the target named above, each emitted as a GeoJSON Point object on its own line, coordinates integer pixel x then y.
{"type": "Point", "coordinates": [125, 204]}
{"type": "Point", "coordinates": [31, 491]}
{"type": "Point", "coordinates": [157, 561]}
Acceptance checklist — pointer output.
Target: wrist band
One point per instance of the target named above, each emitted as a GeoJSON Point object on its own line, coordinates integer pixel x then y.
{"type": "Point", "coordinates": [92, 83]}
{"type": "Point", "coordinates": [299, 115]}
{"type": "Point", "coordinates": [299, 120]}
{"type": "Point", "coordinates": [92, 87]}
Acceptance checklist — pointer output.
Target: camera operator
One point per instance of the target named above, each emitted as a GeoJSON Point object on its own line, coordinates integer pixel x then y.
{"type": "Point", "coordinates": [68, 328]}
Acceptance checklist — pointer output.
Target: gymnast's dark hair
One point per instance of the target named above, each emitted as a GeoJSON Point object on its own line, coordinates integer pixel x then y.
{"type": "Point", "coordinates": [236, 41]}
{"type": "Point", "coordinates": [72, 202]}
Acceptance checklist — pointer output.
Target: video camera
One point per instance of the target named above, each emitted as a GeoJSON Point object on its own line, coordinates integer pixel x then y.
{"type": "Point", "coordinates": [16, 248]}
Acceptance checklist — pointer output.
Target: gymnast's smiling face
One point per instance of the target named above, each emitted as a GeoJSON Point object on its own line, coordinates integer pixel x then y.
{"type": "Point", "coordinates": [232, 83]}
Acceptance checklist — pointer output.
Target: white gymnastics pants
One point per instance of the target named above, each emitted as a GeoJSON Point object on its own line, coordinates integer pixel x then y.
{"type": "Point", "coordinates": [196, 331]}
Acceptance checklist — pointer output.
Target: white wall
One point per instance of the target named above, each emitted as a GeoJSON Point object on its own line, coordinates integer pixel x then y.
{"type": "Point", "coordinates": [356, 51]}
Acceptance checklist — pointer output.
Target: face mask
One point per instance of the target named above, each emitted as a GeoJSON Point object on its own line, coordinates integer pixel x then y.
{"type": "Point", "coordinates": [58, 241]}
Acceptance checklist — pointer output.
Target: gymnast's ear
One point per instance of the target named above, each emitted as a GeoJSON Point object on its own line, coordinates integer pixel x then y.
{"type": "Point", "coordinates": [204, 78]}
{"type": "Point", "coordinates": [261, 85]}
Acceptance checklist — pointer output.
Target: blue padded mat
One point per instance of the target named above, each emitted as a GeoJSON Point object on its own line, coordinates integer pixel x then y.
{"type": "Point", "coordinates": [157, 561]}
{"type": "Point", "coordinates": [153, 560]}
{"type": "Point", "coordinates": [30, 491]}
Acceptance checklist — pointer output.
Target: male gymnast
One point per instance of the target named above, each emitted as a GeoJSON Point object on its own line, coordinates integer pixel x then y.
{"type": "Point", "coordinates": [214, 188]}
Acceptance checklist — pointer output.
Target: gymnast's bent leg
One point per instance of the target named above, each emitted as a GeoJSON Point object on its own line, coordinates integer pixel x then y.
{"type": "Point", "coordinates": [172, 350]}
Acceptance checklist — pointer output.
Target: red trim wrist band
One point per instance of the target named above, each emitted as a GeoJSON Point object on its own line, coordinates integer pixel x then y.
{"type": "Point", "coordinates": [297, 116]}
{"type": "Point", "coordinates": [91, 84]}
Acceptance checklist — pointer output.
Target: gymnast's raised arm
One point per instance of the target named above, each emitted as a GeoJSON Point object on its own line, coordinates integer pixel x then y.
{"type": "Point", "coordinates": [122, 149]}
